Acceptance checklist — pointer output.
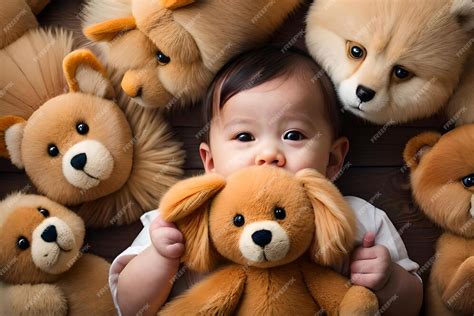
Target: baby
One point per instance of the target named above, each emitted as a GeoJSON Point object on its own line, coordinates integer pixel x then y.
{"type": "Point", "coordinates": [269, 107]}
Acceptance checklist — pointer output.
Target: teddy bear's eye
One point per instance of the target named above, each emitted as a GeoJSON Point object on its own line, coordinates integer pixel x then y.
{"type": "Point", "coordinates": [468, 181]}
{"type": "Point", "coordinates": [355, 50]}
{"type": "Point", "coordinates": [43, 211]}
{"type": "Point", "coordinates": [82, 128]}
{"type": "Point", "coordinates": [279, 212]}
{"type": "Point", "coordinates": [53, 150]}
{"type": "Point", "coordinates": [23, 243]}
{"type": "Point", "coordinates": [162, 58]}
{"type": "Point", "coordinates": [239, 220]}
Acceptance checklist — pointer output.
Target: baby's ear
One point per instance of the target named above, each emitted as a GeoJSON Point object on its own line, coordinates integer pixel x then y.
{"type": "Point", "coordinates": [418, 146]}
{"type": "Point", "coordinates": [334, 219]}
{"type": "Point", "coordinates": [175, 4]}
{"type": "Point", "coordinates": [463, 10]}
{"type": "Point", "coordinates": [187, 204]}
{"type": "Point", "coordinates": [84, 73]}
{"type": "Point", "coordinates": [108, 30]}
{"type": "Point", "coordinates": [11, 136]}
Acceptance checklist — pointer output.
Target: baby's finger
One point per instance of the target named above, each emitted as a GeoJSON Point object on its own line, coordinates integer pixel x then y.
{"type": "Point", "coordinates": [159, 222]}
{"type": "Point", "coordinates": [369, 280]}
{"type": "Point", "coordinates": [174, 251]}
{"type": "Point", "coordinates": [368, 240]}
{"type": "Point", "coordinates": [163, 237]}
{"type": "Point", "coordinates": [365, 266]}
{"type": "Point", "coordinates": [361, 253]}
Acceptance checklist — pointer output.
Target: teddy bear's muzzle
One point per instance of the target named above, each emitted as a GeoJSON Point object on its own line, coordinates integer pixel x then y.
{"type": "Point", "coordinates": [264, 241]}
{"type": "Point", "coordinates": [52, 246]}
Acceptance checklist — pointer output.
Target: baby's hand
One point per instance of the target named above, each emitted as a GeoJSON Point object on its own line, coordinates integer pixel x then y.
{"type": "Point", "coordinates": [371, 264]}
{"type": "Point", "coordinates": [166, 239]}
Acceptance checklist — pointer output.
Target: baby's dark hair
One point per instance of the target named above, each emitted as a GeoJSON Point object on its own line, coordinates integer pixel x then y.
{"type": "Point", "coordinates": [264, 64]}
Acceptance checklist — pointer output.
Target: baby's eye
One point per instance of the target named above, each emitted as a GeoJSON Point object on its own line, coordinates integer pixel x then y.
{"type": "Point", "coordinates": [293, 135]}
{"type": "Point", "coordinates": [244, 137]}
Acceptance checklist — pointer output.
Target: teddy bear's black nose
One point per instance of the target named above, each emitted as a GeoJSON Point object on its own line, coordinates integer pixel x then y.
{"type": "Point", "coordinates": [262, 237]}
{"type": "Point", "coordinates": [365, 94]}
{"type": "Point", "coordinates": [79, 161]}
{"type": "Point", "coordinates": [49, 234]}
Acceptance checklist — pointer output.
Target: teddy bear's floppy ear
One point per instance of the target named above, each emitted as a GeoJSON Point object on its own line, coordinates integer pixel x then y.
{"type": "Point", "coordinates": [187, 205]}
{"type": "Point", "coordinates": [84, 73]}
{"type": "Point", "coordinates": [108, 30]}
{"type": "Point", "coordinates": [334, 219]}
{"type": "Point", "coordinates": [11, 135]}
{"type": "Point", "coordinates": [174, 4]}
{"type": "Point", "coordinates": [418, 146]}
{"type": "Point", "coordinates": [463, 10]}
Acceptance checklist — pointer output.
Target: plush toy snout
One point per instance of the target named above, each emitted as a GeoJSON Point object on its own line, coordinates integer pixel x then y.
{"type": "Point", "coordinates": [264, 241]}
{"type": "Point", "coordinates": [87, 163]}
{"type": "Point", "coordinates": [54, 246]}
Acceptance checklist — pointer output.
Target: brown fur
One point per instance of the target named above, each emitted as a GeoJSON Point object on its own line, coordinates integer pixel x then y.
{"type": "Point", "coordinates": [318, 222]}
{"type": "Point", "coordinates": [425, 39]}
{"type": "Point", "coordinates": [198, 36]}
{"type": "Point", "coordinates": [146, 158]}
{"type": "Point", "coordinates": [437, 186]}
{"type": "Point", "coordinates": [16, 17]}
{"type": "Point", "coordinates": [28, 289]}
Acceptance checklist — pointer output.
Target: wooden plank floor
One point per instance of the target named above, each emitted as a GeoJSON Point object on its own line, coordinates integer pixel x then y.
{"type": "Point", "coordinates": [374, 168]}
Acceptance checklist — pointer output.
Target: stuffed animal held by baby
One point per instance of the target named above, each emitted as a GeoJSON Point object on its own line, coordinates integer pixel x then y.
{"type": "Point", "coordinates": [169, 51]}
{"type": "Point", "coordinates": [265, 226]}
{"type": "Point", "coordinates": [442, 180]}
{"type": "Point", "coordinates": [113, 160]}
{"type": "Point", "coordinates": [44, 271]}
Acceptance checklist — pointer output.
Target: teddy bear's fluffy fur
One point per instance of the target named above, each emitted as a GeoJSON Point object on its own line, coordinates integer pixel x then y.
{"type": "Point", "coordinates": [31, 58]}
{"type": "Point", "coordinates": [430, 39]}
{"type": "Point", "coordinates": [440, 171]}
{"type": "Point", "coordinates": [114, 170]}
{"type": "Point", "coordinates": [285, 222]}
{"type": "Point", "coordinates": [44, 269]}
{"type": "Point", "coordinates": [182, 43]}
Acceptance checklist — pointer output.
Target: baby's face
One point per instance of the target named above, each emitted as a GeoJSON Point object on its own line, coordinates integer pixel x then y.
{"type": "Point", "coordinates": [280, 122]}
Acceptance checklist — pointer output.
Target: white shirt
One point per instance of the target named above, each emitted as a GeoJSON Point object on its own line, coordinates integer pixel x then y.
{"type": "Point", "coordinates": [368, 218]}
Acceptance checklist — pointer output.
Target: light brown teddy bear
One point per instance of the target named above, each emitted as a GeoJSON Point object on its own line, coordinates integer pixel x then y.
{"type": "Point", "coordinates": [265, 226]}
{"type": "Point", "coordinates": [169, 50]}
{"type": "Point", "coordinates": [442, 179]}
{"type": "Point", "coordinates": [43, 268]}
{"type": "Point", "coordinates": [114, 161]}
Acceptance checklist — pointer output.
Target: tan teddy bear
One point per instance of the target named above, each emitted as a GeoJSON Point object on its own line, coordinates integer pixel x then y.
{"type": "Point", "coordinates": [265, 226]}
{"type": "Point", "coordinates": [442, 179]}
{"type": "Point", "coordinates": [169, 51]}
{"type": "Point", "coordinates": [44, 270]}
{"type": "Point", "coordinates": [113, 160]}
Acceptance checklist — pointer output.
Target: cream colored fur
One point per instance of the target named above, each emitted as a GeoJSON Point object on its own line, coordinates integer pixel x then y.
{"type": "Point", "coordinates": [425, 37]}
{"type": "Point", "coordinates": [13, 137]}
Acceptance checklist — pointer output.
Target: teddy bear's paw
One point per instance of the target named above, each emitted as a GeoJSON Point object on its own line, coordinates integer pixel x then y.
{"type": "Point", "coordinates": [43, 299]}
{"type": "Point", "coordinates": [458, 296]}
{"type": "Point", "coordinates": [359, 301]}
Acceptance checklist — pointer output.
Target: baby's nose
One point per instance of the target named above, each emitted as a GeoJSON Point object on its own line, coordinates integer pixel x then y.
{"type": "Point", "coordinates": [270, 158]}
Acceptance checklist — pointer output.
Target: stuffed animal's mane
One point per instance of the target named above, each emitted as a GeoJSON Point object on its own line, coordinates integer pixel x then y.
{"type": "Point", "coordinates": [33, 70]}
